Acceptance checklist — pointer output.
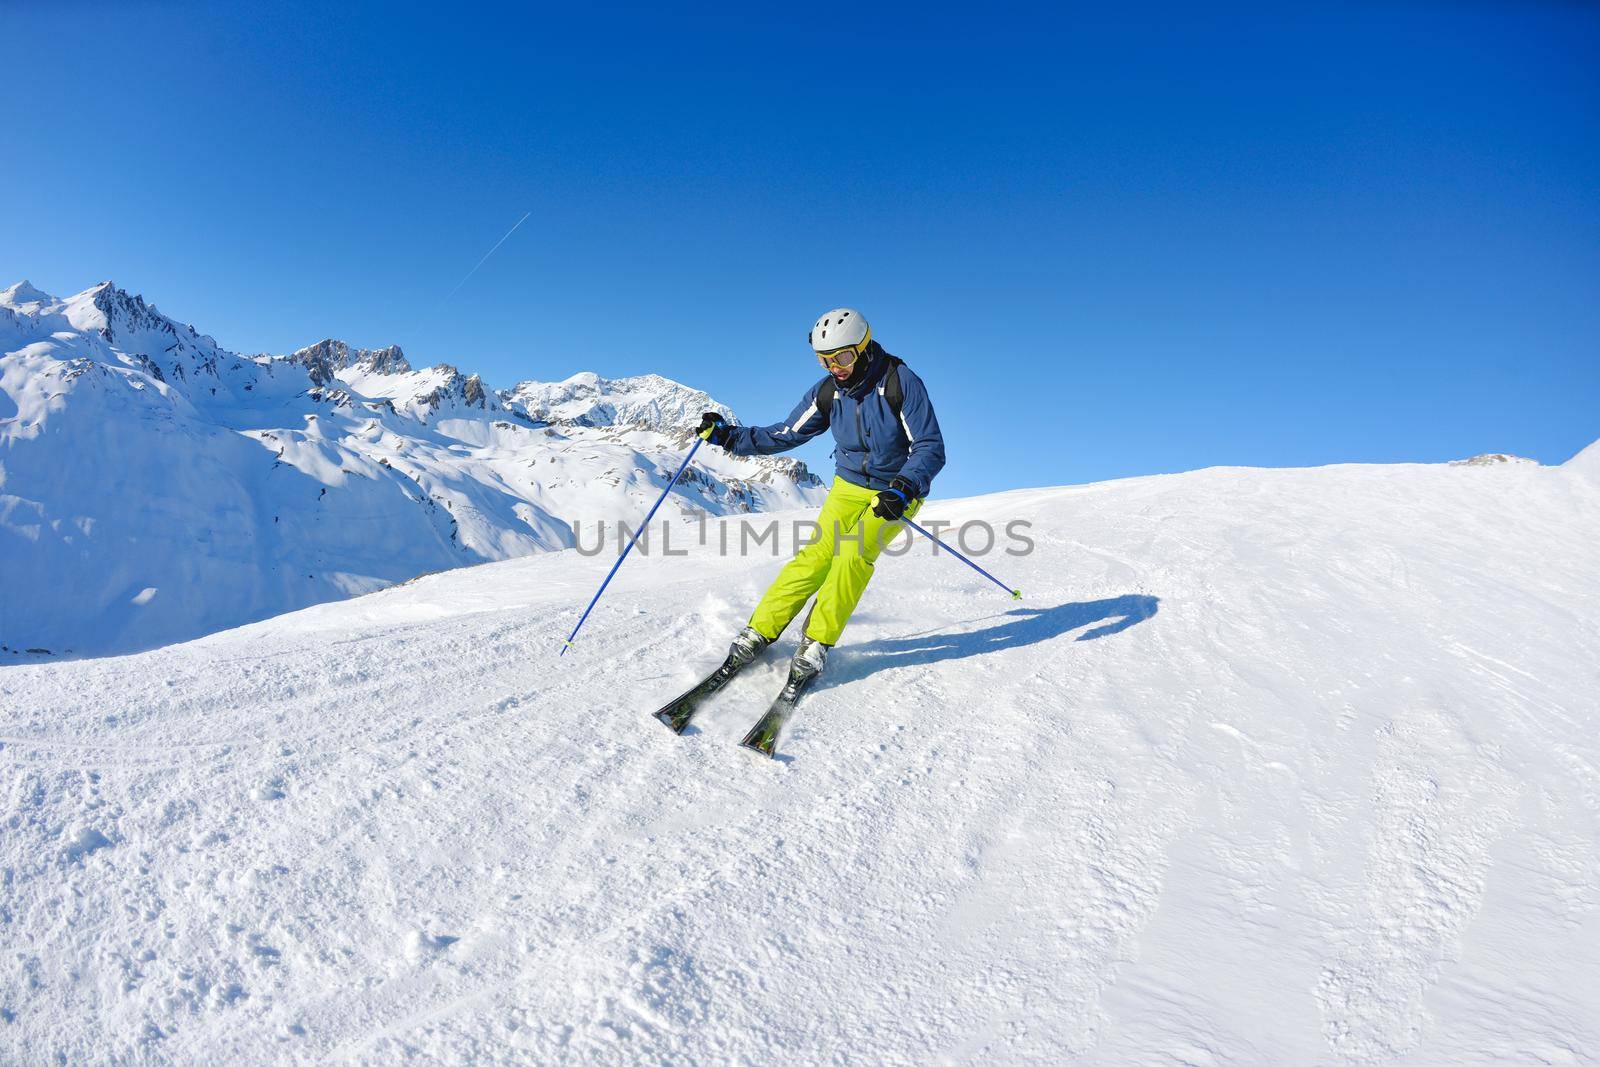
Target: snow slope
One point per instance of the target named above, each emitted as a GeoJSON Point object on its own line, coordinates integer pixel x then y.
{"type": "Point", "coordinates": [1269, 767]}
{"type": "Point", "coordinates": [155, 487]}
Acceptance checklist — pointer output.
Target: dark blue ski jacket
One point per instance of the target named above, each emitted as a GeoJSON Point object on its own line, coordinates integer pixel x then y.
{"type": "Point", "coordinates": [871, 444]}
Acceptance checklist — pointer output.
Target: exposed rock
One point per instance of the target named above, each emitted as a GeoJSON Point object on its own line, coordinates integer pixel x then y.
{"type": "Point", "coordinates": [327, 358]}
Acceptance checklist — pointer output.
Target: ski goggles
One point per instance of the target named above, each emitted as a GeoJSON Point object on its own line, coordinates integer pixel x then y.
{"type": "Point", "coordinates": [842, 358]}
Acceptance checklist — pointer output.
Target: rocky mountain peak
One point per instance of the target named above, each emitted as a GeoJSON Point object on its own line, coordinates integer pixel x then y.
{"type": "Point", "coordinates": [328, 357]}
{"type": "Point", "coordinates": [1494, 459]}
{"type": "Point", "coordinates": [646, 401]}
{"type": "Point", "coordinates": [118, 313]}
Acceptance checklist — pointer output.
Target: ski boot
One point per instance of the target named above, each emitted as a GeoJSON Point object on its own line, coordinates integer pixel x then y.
{"type": "Point", "coordinates": [809, 660]}
{"type": "Point", "coordinates": [747, 646]}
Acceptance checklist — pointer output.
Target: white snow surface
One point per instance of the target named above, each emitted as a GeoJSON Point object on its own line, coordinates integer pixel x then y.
{"type": "Point", "coordinates": [1268, 767]}
{"type": "Point", "coordinates": [155, 487]}
{"type": "Point", "coordinates": [1586, 462]}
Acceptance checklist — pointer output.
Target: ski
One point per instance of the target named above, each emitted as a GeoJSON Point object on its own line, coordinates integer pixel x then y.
{"type": "Point", "coordinates": [675, 715]}
{"type": "Point", "coordinates": [763, 736]}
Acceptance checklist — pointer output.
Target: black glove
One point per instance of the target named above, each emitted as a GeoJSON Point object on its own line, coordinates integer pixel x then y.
{"type": "Point", "coordinates": [720, 430]}
{"type": "Point", "coordinates": [892, 502]}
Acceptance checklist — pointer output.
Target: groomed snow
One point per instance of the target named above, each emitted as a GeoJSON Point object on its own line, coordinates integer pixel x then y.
{"type": "Point", "coordinates": [1269, 767]}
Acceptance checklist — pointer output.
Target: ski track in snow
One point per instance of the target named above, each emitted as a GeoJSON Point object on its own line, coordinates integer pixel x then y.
{"type": "Point", "coordinates": [1268, 767]}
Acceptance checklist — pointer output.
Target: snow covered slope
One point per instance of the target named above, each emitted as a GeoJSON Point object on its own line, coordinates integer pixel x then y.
{"type": "Point", "coordinates": [155, 487]}
{"type": "Point", "coordinates": [1269, 767]}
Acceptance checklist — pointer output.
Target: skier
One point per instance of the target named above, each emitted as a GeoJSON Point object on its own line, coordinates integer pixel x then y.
{"type": "Point", "coordinates": [888, 449]}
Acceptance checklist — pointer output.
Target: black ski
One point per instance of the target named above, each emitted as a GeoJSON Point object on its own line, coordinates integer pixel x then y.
{"type": "Point", "coordinates": [677, 713]}
{"type": "Point", "coordinates": [763, 736]}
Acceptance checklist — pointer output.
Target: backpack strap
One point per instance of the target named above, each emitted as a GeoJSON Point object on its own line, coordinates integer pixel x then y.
{"type": "Point", "coordinates": [825, 394]}
{"type": "Point", "coordinates": [892, 390]}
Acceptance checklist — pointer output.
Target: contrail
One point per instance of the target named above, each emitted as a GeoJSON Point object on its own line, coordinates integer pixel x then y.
{"type": "Point", "coordinates": [482, 261]}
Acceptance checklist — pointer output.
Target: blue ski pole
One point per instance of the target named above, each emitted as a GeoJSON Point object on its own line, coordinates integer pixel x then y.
{"type": "Point", "coordinates": [1016, 594]}
{"type": "Point", "coordinates": [642, 527]}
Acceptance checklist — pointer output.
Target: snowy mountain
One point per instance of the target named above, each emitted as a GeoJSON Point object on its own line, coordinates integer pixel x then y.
{"type": "Point", "coordinates": [648, 401]}
{"type": "Point", "coordinates": [1586, 462]}
{"type": "Point", "coordinates": [155, 486]}
{"type": "Point", "coordinates": [1268, 767]}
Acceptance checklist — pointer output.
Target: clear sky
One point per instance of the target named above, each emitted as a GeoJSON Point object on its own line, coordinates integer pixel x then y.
{"type": "Point", "coordinates": [1111, 244]}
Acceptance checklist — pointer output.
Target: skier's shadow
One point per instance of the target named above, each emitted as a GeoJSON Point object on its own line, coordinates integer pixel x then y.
{"type": "Point", "coordinates": [1021, 627]}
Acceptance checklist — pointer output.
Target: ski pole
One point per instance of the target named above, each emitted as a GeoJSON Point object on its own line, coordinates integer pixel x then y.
{"type": "Point", "coordinates": [642, 527]}
{"type": "Point", "coordinates": [1016, 594]}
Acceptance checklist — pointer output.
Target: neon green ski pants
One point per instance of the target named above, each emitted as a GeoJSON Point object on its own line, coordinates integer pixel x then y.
{"type": "Point", "coordinates": [836, 566]}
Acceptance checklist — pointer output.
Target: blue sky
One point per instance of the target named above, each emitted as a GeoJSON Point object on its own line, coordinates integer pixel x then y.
{"type": "Point", "coordinates": [1112, 245]}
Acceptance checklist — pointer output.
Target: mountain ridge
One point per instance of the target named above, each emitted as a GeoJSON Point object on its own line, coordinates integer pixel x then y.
{"type": "Point", "coordinates": [155, 485]}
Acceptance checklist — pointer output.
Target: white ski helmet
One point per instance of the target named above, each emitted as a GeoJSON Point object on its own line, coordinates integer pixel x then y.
{"type": "Point", "coordinates": [838, 328]}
